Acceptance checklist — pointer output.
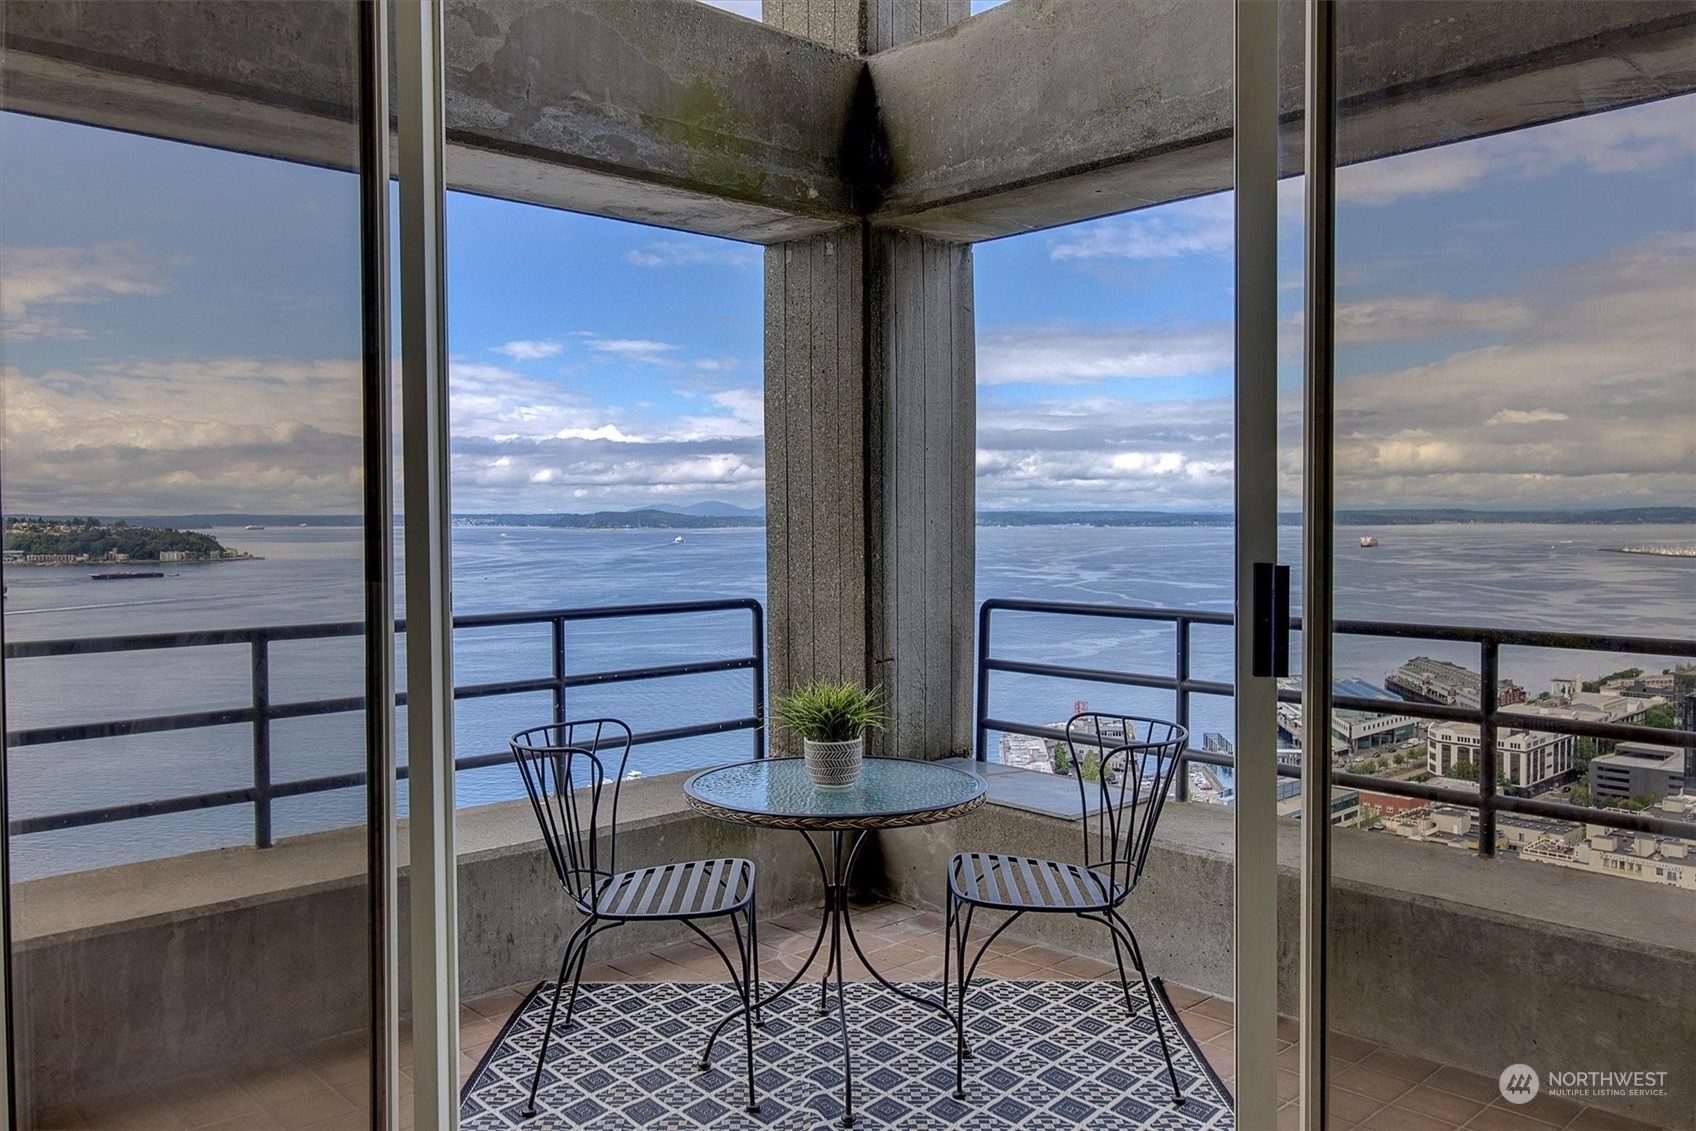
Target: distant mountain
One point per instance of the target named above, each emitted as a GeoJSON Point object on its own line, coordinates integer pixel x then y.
{"type": "Point", "coordinates": [1103, 518]}
{"type": "Point", "coordinates": [654, 520]}
{"type": "Point", "coordinates": [722, 510]}
{"type": "Point", "coordinates": [1623, 516]}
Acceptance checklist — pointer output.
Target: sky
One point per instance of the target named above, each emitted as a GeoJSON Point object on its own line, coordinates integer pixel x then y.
{"type": "Point", "coordinates": [1516, 323]}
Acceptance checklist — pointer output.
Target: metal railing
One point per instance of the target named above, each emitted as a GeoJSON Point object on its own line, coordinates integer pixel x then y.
{"type": "Point", "coordinates": [1488, 716]}
{"type": "Point", "coordinates": [261, 712]}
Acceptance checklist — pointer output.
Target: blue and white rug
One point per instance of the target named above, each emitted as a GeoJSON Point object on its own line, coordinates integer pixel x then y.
{"type": "Point", "coordinates": [1047, 1056]}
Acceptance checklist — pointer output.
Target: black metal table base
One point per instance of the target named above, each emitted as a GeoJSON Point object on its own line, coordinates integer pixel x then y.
{"type": "Point", "coordinates": [834, 924]}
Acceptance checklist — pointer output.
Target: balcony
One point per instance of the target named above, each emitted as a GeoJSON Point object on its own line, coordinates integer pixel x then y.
{"type": "Point", "coordinates": [1437, 953]}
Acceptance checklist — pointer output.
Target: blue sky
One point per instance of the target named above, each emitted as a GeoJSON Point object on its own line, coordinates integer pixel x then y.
{"type": "Point", "coordinates": [1517, 327]}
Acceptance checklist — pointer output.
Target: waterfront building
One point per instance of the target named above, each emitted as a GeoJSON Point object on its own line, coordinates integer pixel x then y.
{"type": "Point", "coordinates": [1424, 680]}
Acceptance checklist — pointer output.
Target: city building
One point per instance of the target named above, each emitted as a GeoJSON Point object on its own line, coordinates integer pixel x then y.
{"type": "Point", "coordinates": [1634, 856]}
{"type": "Point", "coordinates": [1027, 752]}
{"type": "Point", "coordinates": [1529, 761]}
{"type": "Point", "coordinates": [1353, 732]}
{"type": "Point", "coordinates": [1638, 769]}
{"type": "Point", "coordinates": [1345, 803]}
{"type": "Point", "coordinates": [1424, 680]}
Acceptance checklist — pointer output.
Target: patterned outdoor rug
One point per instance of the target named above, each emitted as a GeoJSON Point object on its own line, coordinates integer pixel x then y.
{"type": "Point", "coordinates": [1048, 1056]}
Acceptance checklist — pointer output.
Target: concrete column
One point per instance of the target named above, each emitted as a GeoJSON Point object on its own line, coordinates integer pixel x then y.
{"type": "Point", "coordinates": [816, 536]}
{"type": "Point", "coordinates": [922, 488]}
{"type": "Point", "coordinates": [871, 444]}
{"type": "Point", "coordinates": [863, 27]}
{"type": "Point", "coordinates": [870, 409]}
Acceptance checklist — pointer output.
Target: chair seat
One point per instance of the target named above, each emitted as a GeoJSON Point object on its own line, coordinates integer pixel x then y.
{"type": "Point", "coordinates": [1028, 883]}
{"type": "Point", "coordinates": [692, 889]}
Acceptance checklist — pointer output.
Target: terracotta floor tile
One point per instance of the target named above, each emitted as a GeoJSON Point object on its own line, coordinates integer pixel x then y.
{"type": "Point", "coordinates": [1352, 1107]}
{"type": "Point", "coordinates": [1217, 1008]}
{"type": "Point", "coordinates": [305, 1111]}
{"type": "Point", "coordinates": [1499, 1119]}
{"type": "Point", "coordinates": [1344, 1047]}
{"type": "Point", "coordinates": [1443, 1105]}
{"type": "Point", "coordinates": [1550, 1109]}
{"type": "Point", "coordinates": [1380, 1086]}
{"type": "Point", "coordinates": [1463, 1083]}
{"type": "Point", "coordinates": [1394, 1118]}
{"type": "Point", "coordinates": [1594, 1119]}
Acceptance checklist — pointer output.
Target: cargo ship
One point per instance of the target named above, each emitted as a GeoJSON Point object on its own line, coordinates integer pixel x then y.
{"type": "Point", "coordinates": [125, 575]}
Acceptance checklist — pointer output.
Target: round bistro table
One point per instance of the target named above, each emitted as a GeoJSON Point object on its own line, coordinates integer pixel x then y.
{"type": "Point", "coordinates": [890, 793]}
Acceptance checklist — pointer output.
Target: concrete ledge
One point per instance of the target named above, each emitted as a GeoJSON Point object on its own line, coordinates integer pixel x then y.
{"type": "Point", "coordinates": [170, 966]}
{"type": "Point", "coordinates": [1472, 962]}
{"type": "Point", "coordinates": [226, 958]}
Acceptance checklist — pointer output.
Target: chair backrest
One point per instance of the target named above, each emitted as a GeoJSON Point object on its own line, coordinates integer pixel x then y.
{"type": "Point", "coordinates": [566, 769]}
{"type": "Point", "coordinates": [1134, 760]}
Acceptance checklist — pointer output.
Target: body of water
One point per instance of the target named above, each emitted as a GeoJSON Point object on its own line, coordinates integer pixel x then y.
{"type": "Point", "coordinates": [1541, 577]}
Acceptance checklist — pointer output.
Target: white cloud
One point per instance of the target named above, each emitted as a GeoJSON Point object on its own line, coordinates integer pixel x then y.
{"type": "Point", "coordinates": [1064, 355]}
{"type": "Point", "coordinates": [33, 277]}
{"type": "Point", "coordinates": [693, 253]}
{"type": "Point", "coordinates": [634, 349]}
{"type": "Point", "coordinates": [1635, 139]}
{"type": "Point", "coordinates": [1526, 416]}
{"type": "Point", "coordinates": [1203, 226]}
{"type": "Point", "coordinates": [522, 351]}
{"type": "Point", "coordinates": [1412, 317]}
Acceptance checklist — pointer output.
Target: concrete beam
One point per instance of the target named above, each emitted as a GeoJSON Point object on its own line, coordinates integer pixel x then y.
{"type": "Point", "coordinates": [668, 112]}
{"type": "Point", "coordinates": [1047, 112]}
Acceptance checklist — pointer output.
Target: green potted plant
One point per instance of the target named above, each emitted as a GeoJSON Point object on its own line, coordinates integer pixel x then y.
{"type": "Point", "coordinates": [832, 719]}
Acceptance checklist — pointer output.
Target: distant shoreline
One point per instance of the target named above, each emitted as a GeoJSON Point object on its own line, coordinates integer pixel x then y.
{"type": "Point", "coordinates": [749, 518]}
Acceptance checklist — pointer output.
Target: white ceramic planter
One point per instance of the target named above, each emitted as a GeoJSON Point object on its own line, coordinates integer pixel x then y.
{"type": "Point", "coordinates": [834, 763]}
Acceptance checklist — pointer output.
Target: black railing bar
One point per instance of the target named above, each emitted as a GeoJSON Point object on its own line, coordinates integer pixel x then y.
{"type": "Point", "coordinates": [54, 821]}
{"type": "Point", "coordinates": [485, 690]}
{"type": "Point", "coordinates": [630, 675]}
{"type": "Point", "coordinates": [152, 724]}
{"type": "Point", "coordinates": [299, 787]}
{"type": "Point", "coordinates": [1641, 822]}
{"type": "Point", "coordinates": [1092, 675]}
{"type": "Point", "coordinates": [1399, 787]}
{"type": "Point", "coordinates": [1505, 637]}
{"type": "Point", "coordinates": [598, 612]}
{"type": "Point", "coordinates": [207, 638]}
{"type": "Point", "coordinates": [1116, 612]}
{"type": "Point", "coordinates": [1514, 638]}
{"type": "Point", "coordinates": [1509, 719]}
{"type": "Point", "coordinates": [35, 649]}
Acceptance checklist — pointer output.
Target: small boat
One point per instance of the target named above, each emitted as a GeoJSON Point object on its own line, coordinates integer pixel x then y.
{"type": "Point", "coordinates": [253, 527]}
{"type": "Point", "coordinates": [1367, 541]}
{"type": "Point", "coordinates": [677, 539]}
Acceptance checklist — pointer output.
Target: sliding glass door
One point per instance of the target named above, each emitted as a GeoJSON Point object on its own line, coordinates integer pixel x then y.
{"type": "Point", "coordinates": [191, 284]}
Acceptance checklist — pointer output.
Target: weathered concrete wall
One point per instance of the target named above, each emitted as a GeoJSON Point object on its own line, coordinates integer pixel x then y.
{"type": "Point", "coordinates": [1046, 112]}
{"type": "Point", "coordinates": [864, 26]}
{"type": "Point", "coordinates": [149, 972]}
{"type": "Point", "coordinates": [667, 112]}
{"type": "Point", "coordinates": [1445, 955]}
{"type": "Point", "coordinates": [152, 970]}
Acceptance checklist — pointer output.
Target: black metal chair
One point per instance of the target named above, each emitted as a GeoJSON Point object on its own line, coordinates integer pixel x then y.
{"type": "Point", "coordinates": [569, 770]}
{"type": "Point", "coordinates": [1135, 759]}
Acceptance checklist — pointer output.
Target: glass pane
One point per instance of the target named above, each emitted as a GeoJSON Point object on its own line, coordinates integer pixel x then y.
{"type": "Point", "coordinates": [182, 488]}
{"type": "Point", "coordinates": [1516, 406]}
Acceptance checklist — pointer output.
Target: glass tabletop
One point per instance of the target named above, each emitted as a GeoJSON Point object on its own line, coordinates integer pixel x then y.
{"type": "Point", "coordinates": [889, 793]}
